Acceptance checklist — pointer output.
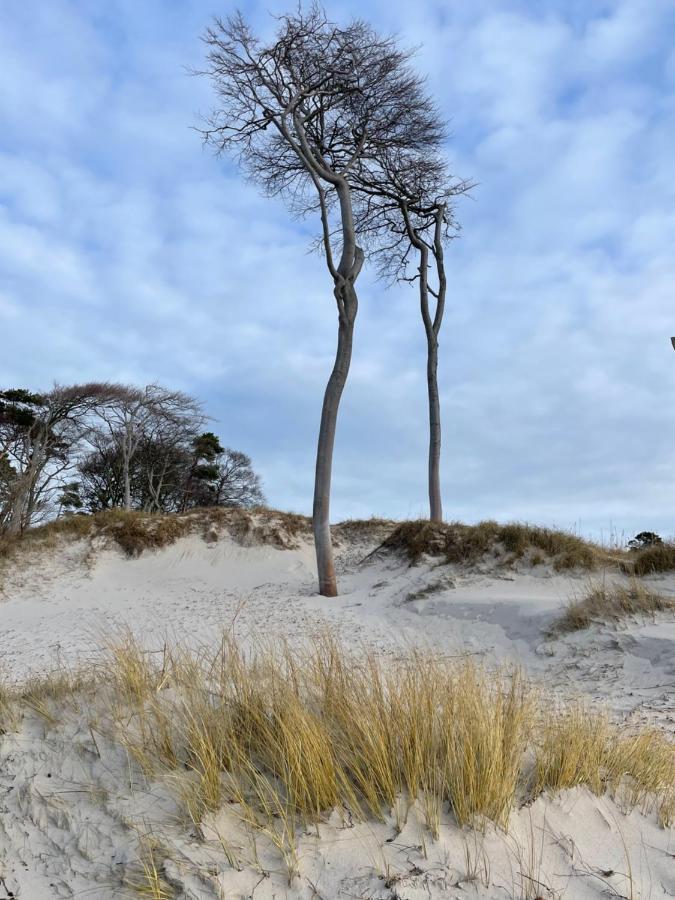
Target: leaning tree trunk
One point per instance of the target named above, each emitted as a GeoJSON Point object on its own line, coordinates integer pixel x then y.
{"type": "Point", "coordinates": [18, 505]}
{"type": "Point", "coordinates": [324, 453]}
{"type": "Point", "coordinates": [435, 504]}
{"type": "Point", "coordinates": [20, 501]}
{"type": "Point", "coordinates": [126, 476]}
{"type": "Point", "coordinates": [127, 489]}
{"type": "Point", "coordinates": [431, 327]}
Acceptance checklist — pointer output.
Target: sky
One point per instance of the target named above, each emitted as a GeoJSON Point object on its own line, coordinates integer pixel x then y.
{"type": "Point", "coordinates": [129, 252]}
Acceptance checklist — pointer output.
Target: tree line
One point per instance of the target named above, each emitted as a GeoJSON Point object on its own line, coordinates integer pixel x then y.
{"type": "Point", "coordinates": [97, 446]}
{"type": "Point", "coordinates": [335, 120]}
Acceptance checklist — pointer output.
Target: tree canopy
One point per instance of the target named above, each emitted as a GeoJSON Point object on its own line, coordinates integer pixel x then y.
{"type": "Point", "coordinates": [84, 448]}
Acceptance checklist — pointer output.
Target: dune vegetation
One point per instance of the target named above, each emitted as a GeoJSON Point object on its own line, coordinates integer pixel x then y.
{"type": "Point", "coordinates": [652, 560]}
{"type": "Point", "coordinates": [135, 532]}
{"type": "Point", "coordinates": [513, 542]}
{"type": "Point", "coordinates": [283, 738]}
{"type": "Point", "coordinates": [607, 602]}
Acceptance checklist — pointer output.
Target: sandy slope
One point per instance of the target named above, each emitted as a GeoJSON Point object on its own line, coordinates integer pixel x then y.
{"type": "Point", "coordinates": [59, 610]}
{"type": "Point", "coordinates": [58, 839]}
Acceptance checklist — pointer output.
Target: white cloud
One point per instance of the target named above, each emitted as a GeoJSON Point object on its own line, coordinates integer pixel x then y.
{"type": "Point", "coordinates": [128, 252]}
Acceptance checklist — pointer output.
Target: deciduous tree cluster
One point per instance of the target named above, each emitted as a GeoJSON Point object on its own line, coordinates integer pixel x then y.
{"type": "Point", "coordinates": [99, 446]}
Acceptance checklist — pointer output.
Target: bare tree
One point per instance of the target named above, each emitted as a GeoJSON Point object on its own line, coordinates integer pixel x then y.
{"type": "Point", "coordinates": [171, 471]}
{"type": "Point", "coordinates": [405, 211]}
{"type": "Point", "coordinates": [304, 114]}
{"type": "Point", "coordinates": [39, 434]}
{"type": "Point", "coordinates": [135, 415]}
{"type": "Point", "coordinates": [100, 484]}
{"type": "Point", "coordinates": [406, 207]}
{"type": "Point", "coordinates": [235, 482]}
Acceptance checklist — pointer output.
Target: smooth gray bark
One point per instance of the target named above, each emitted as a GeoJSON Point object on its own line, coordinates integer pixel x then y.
{"type": "Point", "coordinates": [344, 277]}
{"type": "Point", "coordinates": [435, 503]}
{"type": "Point", "coordinates": [126, 463]}
{"type": "Point", "coordinates": [324, 453]}
{"type": "Point", "coordinates": [432, 327]}
{"type": "Point", "coordinates": [22, 505]}
{"type": "Point", "coordinates": [17, 514]}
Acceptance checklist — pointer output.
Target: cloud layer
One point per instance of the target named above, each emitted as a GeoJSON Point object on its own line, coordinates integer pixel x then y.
{"type": "Point", "coordinates": [128, 252]}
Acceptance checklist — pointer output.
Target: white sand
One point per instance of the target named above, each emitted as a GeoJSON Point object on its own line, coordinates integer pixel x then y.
{"type": "Point", "coordinates": [59, 838]}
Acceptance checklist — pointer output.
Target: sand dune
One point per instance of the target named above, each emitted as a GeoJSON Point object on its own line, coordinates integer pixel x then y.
{"type": "Point", "coordinates": [70, 814]}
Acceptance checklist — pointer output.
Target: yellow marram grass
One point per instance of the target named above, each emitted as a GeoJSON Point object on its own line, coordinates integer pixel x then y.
{"type": "Point", "coordinates": [332, 728]}
{"type": "Point", "coordinates": [284, 738]}
{"type": "Point", "coordinates": [149, 881]}
{"type": "Point", "coordinates": [580, 746]}
{"type": "Point", "coordinates": [8, 708]}
{"type": "Point", "coordinates": [608, 601]}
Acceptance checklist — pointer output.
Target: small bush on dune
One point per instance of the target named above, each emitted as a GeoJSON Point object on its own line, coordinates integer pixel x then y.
{"type": "Point", "coordinates": [652, 560]}
{"type": "Point", "coordinates": [645, 539]}
{"type": "Point", "coordinates": [604, 602]}
{"type": "Point", "coordinates": [466, 544]}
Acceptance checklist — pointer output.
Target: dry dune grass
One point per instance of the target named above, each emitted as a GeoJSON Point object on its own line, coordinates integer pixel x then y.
{"type": "Point", "coordinates": [281, 739]}
{"type": "Point", "coordinates": [149, 880]}
{"type": "Point", "coordinates": [286, 738]}
{"type": "Point", "coordinates": [652, 560]}
{"type": "Point", "coordinates": [9, 716]}
{"type": "Point", "coordinates": [45, 536]}
{"type": "Point", "coordinates": [48, 695]}
{"type": "Point", "coordinates": [335, 727]}
{"type": "Point", "coordinates": [132, 531]}
{"type": "Point", "coordinates": [372, 529]}
{"type": "Point", "coordinates": [460, 543]}
{"type": "Point", "coordinates": [135, 532]}
{"type": "Point", "coordinates": [610, 602]}
{"type": "Point", "coordinates": [255, 526]}
{"type": "Point", "coordinates": [580, 746]}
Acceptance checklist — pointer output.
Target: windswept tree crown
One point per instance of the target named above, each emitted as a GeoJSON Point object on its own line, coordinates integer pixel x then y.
{"type": "Point", "coordinates": [319, 101]}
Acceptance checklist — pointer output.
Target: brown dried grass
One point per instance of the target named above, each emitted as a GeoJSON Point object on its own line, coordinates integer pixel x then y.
{"type": "Point", "coordinates": [468, 544]}
{"type": "Point", "coordinates": [611, 602]}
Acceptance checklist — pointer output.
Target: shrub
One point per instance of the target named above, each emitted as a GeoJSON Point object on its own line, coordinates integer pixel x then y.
{"type": "Point", "coordinates": [466, 544]}
{"type": "Point", "coordinates": [645, 539]}
{"type": "Point", "coordinates": [652, 560]}
{"type": "Point", "coordinates": [610, 603]}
